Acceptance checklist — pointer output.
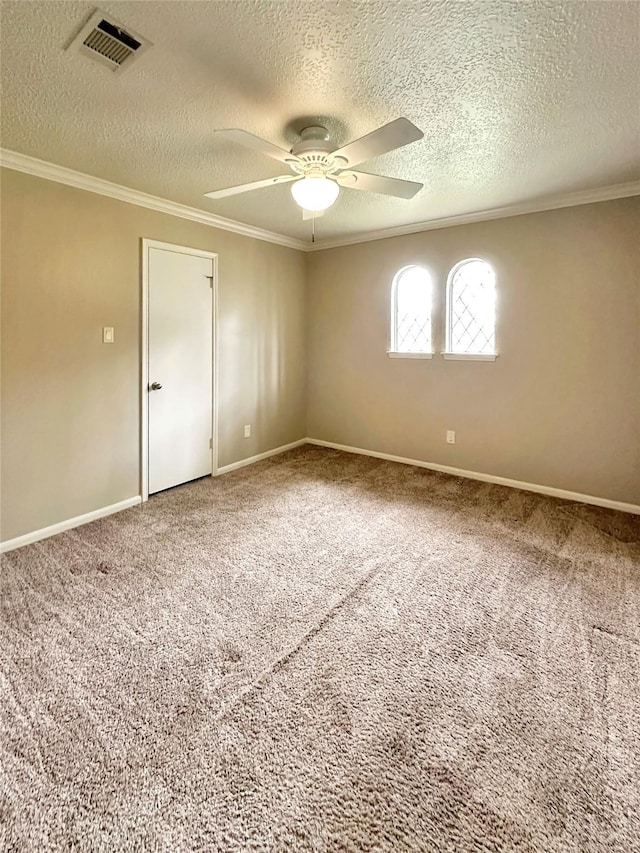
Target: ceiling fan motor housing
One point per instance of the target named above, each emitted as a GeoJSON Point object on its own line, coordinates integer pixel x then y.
{"type": "Point", "coordinates": [314, 153]}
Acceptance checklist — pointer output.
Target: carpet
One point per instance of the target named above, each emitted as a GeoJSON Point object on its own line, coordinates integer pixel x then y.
{"type": "Point", "coordinates": [325, 652]}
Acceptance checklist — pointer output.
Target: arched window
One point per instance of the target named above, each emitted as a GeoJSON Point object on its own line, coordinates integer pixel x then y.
{"type": "Point", "coordinates": [471, 310]}
{"type": "Point", "coordinates": [411, 313]}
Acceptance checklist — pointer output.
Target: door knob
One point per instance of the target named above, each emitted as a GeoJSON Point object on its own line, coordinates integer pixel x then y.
{"type": "Point", "coordinates": [155, 386]}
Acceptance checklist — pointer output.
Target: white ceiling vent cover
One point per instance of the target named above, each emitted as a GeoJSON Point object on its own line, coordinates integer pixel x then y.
{"type": "Point", "coordinates": [109, 42]}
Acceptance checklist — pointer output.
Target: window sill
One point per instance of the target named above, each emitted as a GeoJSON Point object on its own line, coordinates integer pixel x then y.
{"type": "Point", "coordinates": [393, 354]}
{"type": "Point", "coordinates": [470, 356]}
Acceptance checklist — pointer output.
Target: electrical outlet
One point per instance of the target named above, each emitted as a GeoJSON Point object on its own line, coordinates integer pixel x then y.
{"type": "Point", "coordinates": [451, 436]}
{"type": "Point", "coordinates": [247, 430]}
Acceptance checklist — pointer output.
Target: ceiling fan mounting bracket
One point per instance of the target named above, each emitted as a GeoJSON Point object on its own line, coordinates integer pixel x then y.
{"type": "Point", "coordinates": [314, 131]}
{"type": "Point", "coordinates": [313, 139]}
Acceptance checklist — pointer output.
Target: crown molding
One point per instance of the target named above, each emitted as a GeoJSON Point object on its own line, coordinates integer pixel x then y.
{"type": "Point", "coordinates": [62, 175]}
{"type": "Point", "coordinates": [610, 193]}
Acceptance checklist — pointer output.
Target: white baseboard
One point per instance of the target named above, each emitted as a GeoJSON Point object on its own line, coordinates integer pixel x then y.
{"type": "Point", "coordinates": [61, 526]}
{"type": "Point", "coordinates": [251, 459]}
{"type": "Point", "coordinates": [486, 478]}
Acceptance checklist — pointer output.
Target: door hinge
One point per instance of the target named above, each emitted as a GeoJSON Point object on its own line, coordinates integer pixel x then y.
{"type": "Point", "coordinates": [210, 277]}
{"type": "Point", "coordinates": [210, 444]}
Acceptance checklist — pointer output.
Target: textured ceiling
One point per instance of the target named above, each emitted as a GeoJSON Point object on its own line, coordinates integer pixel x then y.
{"type": "Point", "coordinates": [517, 100]}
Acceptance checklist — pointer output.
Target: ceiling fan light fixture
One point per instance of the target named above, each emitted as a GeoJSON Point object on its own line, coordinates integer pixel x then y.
{"type": "Point", "coordinates": [315, 194]}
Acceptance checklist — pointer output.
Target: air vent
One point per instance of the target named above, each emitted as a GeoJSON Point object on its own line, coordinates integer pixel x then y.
{"type": "Point", "coordinates": [109, 42]}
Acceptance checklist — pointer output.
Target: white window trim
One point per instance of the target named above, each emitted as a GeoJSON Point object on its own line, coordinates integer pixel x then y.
{"type": "Point", "coordinates": [462, 356]}
{"type": "Point", "coordinates": [469, 356]}
{"type": "Point", "coordinates": [396, 354]}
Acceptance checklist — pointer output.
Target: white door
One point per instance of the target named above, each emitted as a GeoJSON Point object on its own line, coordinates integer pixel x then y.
{"type": "Point", "coordinates": [180, 336]}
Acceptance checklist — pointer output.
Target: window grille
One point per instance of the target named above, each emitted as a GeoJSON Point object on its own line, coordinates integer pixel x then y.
{"type": "Point", "coordinates": [411, 311]}
{"type": "Point", "coordinates": [471, 315]}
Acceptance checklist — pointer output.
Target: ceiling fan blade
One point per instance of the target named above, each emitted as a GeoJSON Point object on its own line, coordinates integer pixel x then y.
{"type": "Point", "coordinates": [379, 184]}
{"type": "Point", "coordinates": [256, 185]}
{"type": "Point", "coordinates": [255, 143]}
{"type": "Point", "coordinates": [387, 138]}
{"type": "Point", "coordinates": [311, 214]}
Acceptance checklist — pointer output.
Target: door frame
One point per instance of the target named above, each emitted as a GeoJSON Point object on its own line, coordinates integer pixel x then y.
{"type": "Point", "coordinates": [147, 244]}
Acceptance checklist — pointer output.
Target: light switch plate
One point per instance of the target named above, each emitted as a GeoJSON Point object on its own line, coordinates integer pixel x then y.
{"type": "Point", "coordinates": [107, 335]}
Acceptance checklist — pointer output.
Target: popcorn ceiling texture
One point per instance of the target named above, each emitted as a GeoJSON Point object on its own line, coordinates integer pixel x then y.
{"type": "Point", "coordinates": [518, 101]}
{"type": "Point", "coordinates": [325, 652]}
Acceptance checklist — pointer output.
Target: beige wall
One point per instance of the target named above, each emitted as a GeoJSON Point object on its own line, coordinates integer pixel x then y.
{"type": "Point", "coordinates": [70, 405]}
{"type": "Point", "coordinates": [560, 406]}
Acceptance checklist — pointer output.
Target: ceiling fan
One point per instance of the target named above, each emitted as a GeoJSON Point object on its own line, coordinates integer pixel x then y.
{"type": "Point", "coordinates": [318, 169]}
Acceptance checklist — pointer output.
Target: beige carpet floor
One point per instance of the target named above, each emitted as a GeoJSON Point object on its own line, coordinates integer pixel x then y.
{"type": "Point", "coordinates": [325, 652]}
